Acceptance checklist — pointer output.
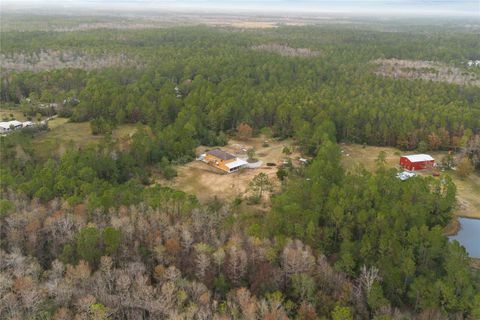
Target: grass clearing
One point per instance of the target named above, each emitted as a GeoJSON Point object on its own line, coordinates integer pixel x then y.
{"type": "Point", "coordinates": [356, 154]}
{"type": "Point", "coordinates": [125, 130]}
{"type": "Point", "coordinates": [8, 113]}
{"type": "Point", "coordinates": [57, 122]}
{"type": "Point", "coordinates": [63, 134]}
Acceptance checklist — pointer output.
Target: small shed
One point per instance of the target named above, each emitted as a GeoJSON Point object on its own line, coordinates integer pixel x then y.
{"type": "Point", "coordinates": [417, 162]}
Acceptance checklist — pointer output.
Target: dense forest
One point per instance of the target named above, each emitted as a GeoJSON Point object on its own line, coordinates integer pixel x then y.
{"type": "Point", "coordinates": [88, 236]}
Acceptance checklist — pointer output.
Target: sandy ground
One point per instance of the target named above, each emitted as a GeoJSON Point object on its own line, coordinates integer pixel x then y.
{"type": "Point", "coordinates": [207, 182]}
{"type": "Point", "coordinates": [468, 190]}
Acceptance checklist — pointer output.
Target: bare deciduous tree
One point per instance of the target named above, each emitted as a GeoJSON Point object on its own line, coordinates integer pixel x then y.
{"type": "Point", "coordinates": [236, 264]}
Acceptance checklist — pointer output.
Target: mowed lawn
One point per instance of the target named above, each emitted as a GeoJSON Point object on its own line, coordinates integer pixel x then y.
{"type": "Point", "coordinates": [63, 134]}
{"type": "Point", "coordinates": [468, 189]}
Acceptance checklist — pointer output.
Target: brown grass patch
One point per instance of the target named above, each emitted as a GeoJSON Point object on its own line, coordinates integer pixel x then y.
{"type": "Point", "coordinates": [287, 51]}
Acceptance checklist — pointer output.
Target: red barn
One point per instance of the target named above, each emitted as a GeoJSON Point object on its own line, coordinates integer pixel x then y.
{"type": "Point", "coordinates": [417, 162]}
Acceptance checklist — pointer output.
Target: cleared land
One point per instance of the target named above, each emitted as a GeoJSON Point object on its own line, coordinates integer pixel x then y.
{"type": "Point", "coordinates": [57, 122]}
{"type": "Point", "coordinates": [287, 51]}
{"type": "Point", "coordinates": [206, 182]}
{"type": "Point", "coordinates": [254, 24]}
{"type": "Point", "coordinates": [63, 134]}
{"type": "Point", "coordinates": [426, 70]}
{"type": "Point", "coordinates": [468, 190]}
{"type": "Point", "coordinates": [9, 114]}
{"type": "Point", "coordinates": [56, 59]}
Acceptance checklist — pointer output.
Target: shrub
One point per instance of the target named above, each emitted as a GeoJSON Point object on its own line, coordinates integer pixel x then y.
{"type": "Point", "coordinates": [5, 206]}
{"type": "Point", "coordinates": [465, 167]}
{"type": "Point", "coordinates": [254, 199]}
{"type": "Point", "coordinates": [169, 172]}
{"type": "Point", "coordinates": [422, 146]}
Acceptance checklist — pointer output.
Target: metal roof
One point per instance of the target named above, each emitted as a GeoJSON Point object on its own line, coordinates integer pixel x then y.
{"type": "Point", "coordinates": [220, 154]}
{"type": "Point", "coordinates": [236, 163]}
{"type": "Point", "coordinates": [6, 125]}
{"type": "Point", "coordinates": [419, 157]}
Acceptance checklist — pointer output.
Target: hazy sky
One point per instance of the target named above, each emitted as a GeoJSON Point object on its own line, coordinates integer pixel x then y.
{"type": "Point", "coordinates": [413, 7]}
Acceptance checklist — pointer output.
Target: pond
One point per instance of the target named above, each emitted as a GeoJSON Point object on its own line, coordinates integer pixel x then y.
{"type": "Point", "coordinates": [469, 236]}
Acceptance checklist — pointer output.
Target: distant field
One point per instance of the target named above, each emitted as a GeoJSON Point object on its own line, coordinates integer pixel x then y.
{"type": "Point", "coordinates": [468, 190]}
{"type": "Point", "coordinates": [287, 51]}
{"type": "Point", "coordinates": [56, 59]}
{"type": "Point", "coordinates": [62, 134]}
{"type": "Point", "coordinates": [426, 70]}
